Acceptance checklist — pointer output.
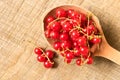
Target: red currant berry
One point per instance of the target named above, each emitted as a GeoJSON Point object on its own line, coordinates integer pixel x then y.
{"type": "Point", "coordinates": [70, 55]}
{"type": "Point", "coordinates": [49, 19]}
{"type": "Point", "coordinates": [62, 21]}
{"type": "Point", "coordinates": [90, 60]}
{"type": "Point", "coordinates": [38, 51]}
{"type": "Point", "coordinates": [74, 23]}
{"type": "Point", "coordinates": [67, 26]}
{"type": "Point", "coordinates": [49, 53]}
{"type": "Point", "coordinates": [95, 40]}
{"type": "Point", "coordinates": [54, 34]}
{"type": "Point", "coordinates": [47, 33]}
{"type": "Point", "coordinates": [48, 64]}
{"type": "Point", "coordinates": [69, 11]}
{"type": "Point", "coordinates": [55, 26]}
{"type": "Point", "coordinates": [64, 36]}
{"type": "Point", "coordinates": [84, 51]}
{"type": "Point", "coordinates": [77, 52]}
{"type": "Point", "coordinates": [66, 44]}
{"type": "Point", "coordinates": [41, 58]}
{"type": "Point", "coordinates": [75, 44]}
{"type": "Point", "coordinates": [61, 12]}
{"type": "Point", "coordinates": [74, 15]}
{"type": "Point", "coordinates": [57, 45]}
{"type": "Point", "coordinates": [78, 62]}
{"type": "Point", "coordinates": [67, 60]}
{"type": "Point", "coordinates": [74, 34]}
{"type": "Point", "coordinates": [90, 29]}
{"type": "Point", "coordinates": [83, 18]}
{"type": "Point", "coordinates": [82, 41]}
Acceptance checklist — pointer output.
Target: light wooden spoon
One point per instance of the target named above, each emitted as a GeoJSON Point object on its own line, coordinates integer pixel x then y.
{"type": "Point", "coordinates": [105, 50]}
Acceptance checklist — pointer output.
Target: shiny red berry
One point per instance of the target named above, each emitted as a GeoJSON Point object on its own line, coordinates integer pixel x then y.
{"type": "Point", "coordinates": [47, 33]}
{"type": "Point", "coordinates": [69, 55]}
{"type": "Point", "coordinates": [60, 12]}
{"type": "Point", "coordinates": [77, 52]}
{"type": "Point", "coordinates": [66, 44]}
{"type": "Point", "coordinates": [95, 40]}
{"type": "Point", "coordinates": [90, 60]}
{"type": "Point", "coordinates": [67, 26]}
{"type": "Point", "coordinates": [48, 64]}
{"type": "Point", "coordinates": [49, 53]}
{"type": "Point", "coordinates": [38, 51]}
{"type": "Point", "coordinates": [69, 11]}
{"type": "Point", "coordinates": [74, 34]}
{"type": "Point", "coordinates": [64, 36]}
{"type": "Point", "coordinates": [74, 15]}
{"type": "Point", "coordinates": [78, 62]}
{"type": "Point", "coordinates": [41, 58]}
{"type": "Point", "coordinates": [49, 19]}
{"type": "Point", "coordinates": [55, 26]}
{"type": "Point", "coordinates": [57, 45]}
{"type": "Point", "coordinates": [54, 34]}
{"type": "Point", "coordinates": [83, 18]}
{"type": "Point", "coordinates": [84, 51]}
{"type": "Point", "coordinates": [90, 29]}
{"type": "Point", "coordinates": [67, 60]}
{"type": "Point", "coordinates": [82, 41]}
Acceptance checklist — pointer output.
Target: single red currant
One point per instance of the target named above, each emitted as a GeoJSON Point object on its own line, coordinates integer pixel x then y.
{"type": "Point", "coordinates": [67, 60]}
{"type": "Point", "coordinates": [90, 60]}
{"type": "Point", "coordinates": [78, 62]}
{"type": "Point", "coordinates": [38, 51]}
{"type": "Point", "coordinates": [77, 52]}
{"type": "Point", "coordinates": [74, 34]}
{"type": "Point", "coordinates": [70, 55]}
{"type": "Point", "coordinates": [66, 44]}
{"type": "Point", "coordinates": [47, 33]}
{"type": "Point", "coordinates": [90, 29]}
{"type": "Point", "coordinates": [49, 53]}
{"type": "Point", "coordinates": [49, 19]}
{"type": "Point", "coordinates": [57, 45]}
{"type": "Point", "coordinates": [74, 15]}
{"type": "Point", "coordinates": [95, 40]}
{"type": "Point", "coordinates": [83, 18]}
{"type": "Point", "coordinates": [41, 58]}
{"type": "Point", "coordinates": [69, 11]}
{"type": "Point", "coordinates": [64, 36]}
{"type": "Point", "coordinates": [84, 51]}
{"type": "Point", "coordinates": [60, 12]}
{"type": "Point", "coordinates": [75, 44]}
{"type": "Point", "coordinates": [48, 64]}
{"type": "Point", "coordinates": [54, 34]}
{"type": "Point", "coordinates": [55, 26]}
{"type": "Point", "coordinates": [67, 26]}
{"type": "Point", "coordinates": [82, 41]}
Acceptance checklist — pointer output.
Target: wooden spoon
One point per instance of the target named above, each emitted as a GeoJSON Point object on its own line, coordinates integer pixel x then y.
{"type": "Point", "coordinates": [105, 50]}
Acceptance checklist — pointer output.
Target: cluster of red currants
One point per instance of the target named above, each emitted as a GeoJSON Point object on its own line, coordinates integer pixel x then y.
{"type": "Point", "coordinates": [73, 33]}
{"type": "Point", "coordinates": [45, 56]}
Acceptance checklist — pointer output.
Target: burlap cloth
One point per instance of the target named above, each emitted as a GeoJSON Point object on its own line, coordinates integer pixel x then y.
{"type": "Point", "coordinates": [21, 31]}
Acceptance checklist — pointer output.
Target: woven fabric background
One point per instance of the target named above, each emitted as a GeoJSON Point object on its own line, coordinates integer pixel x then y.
{"type": "Point", "coordinates": [21, 32]}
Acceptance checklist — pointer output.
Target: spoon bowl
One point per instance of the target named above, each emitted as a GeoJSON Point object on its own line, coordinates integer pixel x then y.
{"type": "Point", "coordinates": [105, 50]}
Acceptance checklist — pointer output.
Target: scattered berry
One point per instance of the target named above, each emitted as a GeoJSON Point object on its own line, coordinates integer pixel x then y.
{"type": "Point", "coordinates": [38, 51]}
{"type": "Point", "coordinates": [48, 64]}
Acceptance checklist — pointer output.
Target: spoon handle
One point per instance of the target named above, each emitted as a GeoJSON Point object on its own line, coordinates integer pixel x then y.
{"type": "Point", "coordinates": [111, 54]}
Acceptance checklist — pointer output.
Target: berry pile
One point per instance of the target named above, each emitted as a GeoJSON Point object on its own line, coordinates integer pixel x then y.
{"type": "Point", "coordinates": [45, 56]}
{"type": "Point", "coordinates": [73, 33]}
